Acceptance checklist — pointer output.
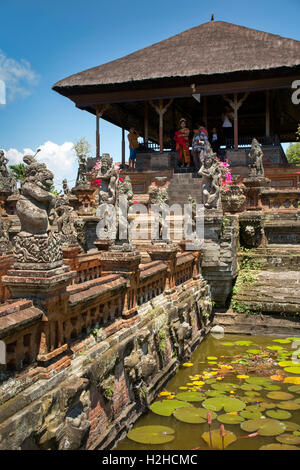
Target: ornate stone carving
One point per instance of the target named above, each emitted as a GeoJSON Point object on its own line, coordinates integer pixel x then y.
{"type": "Point", "coordinates": [4, 236]}
{"type": "Point", "coordinates": [65, 223]}
{"type": "Point", "coordinates": [256, 156]}
{"type": "Point", "coordinates": [8, 182]}
{"type": "Point", "coordinates": [36, 242]}
{"type": "Point", "coordinates": [251, 231]}
{"type": "Point", "coordinates": [80, 229]}
{"type": "Point", "coordinates": [233, 200]}
{"type": "Point", "coordinates": [109, 178]}
{"type": "Point", "coordinates": [66, 188]}
{"type": "Point", "coordinates": [211, 173]}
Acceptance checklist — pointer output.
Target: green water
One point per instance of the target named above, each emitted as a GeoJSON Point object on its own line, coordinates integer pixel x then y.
{"type": "Point", "coordinates": [188, 436]}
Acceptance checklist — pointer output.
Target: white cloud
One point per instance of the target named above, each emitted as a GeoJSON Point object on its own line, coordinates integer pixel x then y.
{"type": "Point", "coordinates": [18, 76]}
{"type": "Point", "coordinates": [60, 159]}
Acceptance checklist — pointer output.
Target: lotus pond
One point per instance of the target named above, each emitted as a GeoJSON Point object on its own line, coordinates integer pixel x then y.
{"type": "Point", "coordinates": [236, 392]}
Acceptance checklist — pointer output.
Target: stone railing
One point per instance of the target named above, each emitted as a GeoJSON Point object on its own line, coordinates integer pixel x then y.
{"type": "Point", "coordinates": [280, 199]}
{"type": "Point", "coordinates": [41, 335]}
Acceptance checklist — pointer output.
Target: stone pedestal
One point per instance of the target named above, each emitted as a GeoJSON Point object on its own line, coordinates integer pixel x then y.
{"type": "Point", "coordinates": [6, 261]}
{"type": "Point", "coordinates": [127, 264]}
{"type": "Point", "coordinates": [254, 186]}
{"type": "Point", "coordinates": [85, 194]}
{"type": "Point", "coordinates": [165, 252]}
{"type": "Point", "coordinates": [103, 244]}
{"type": "Point", "coordinates": [70, 256]}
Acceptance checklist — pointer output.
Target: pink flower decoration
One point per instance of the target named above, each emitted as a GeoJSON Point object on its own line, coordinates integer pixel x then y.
{"type": "Point", "coordinates": [135, 202]}
{"type": "Point", "coordinates": [98, 182]}
{"type": "Point", "coordinates": [92, 182]}
{"type": "Point", "coordinates": [121, 179]}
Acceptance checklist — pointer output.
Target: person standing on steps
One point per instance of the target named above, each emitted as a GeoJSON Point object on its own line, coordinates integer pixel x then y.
{"type": "Point", "coordinates": [181, 138]}
{"type": "Point", "coordinates": [227, 119]}
{"type": "Point", "coordinates": [133, 146]}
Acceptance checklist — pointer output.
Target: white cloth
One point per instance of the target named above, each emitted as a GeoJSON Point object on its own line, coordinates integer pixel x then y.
{"type": "Point", "coordinates": [226, 122]}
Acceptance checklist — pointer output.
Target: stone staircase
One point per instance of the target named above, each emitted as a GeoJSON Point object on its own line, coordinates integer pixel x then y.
{"type": "Point", "coordinates": [184, 185]}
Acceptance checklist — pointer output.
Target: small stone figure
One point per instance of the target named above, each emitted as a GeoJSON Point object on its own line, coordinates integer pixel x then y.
{"type": "Point", "coordinates": [4, 236]}
{"type": "Point", "coordinates": [108, 176]}
{"type": "Point", "coordinates": [233, 200]}
{"type": "Point", "coordinates": [66, 188]}
{"type": "Point", "coordinates": [211, 173]}
{"type": "Point", "coordinates": [82, 170]}
{"type": "Point", "coordinates": [256, 156]}
{"type": "Point", "coordinates": [65, 223]}
{"type": "Point", "coordinates": [159, 197]}
{"type": "Point", "coordinates": [8, 182]}
{"type": "Point", "coordinates": [36, 242]}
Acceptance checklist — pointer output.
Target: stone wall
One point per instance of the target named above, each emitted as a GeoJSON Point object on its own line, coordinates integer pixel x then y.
{"type": "Point", "coordinates": [111, 379]}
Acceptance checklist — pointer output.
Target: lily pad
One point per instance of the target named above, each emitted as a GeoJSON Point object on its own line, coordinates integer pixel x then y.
{"type": "Point", "coordinates": [251, 414]}
{"type": "Point", "coordinates": [288, 439]}
{"type": "Point", "coordinates": [230, 419]}
{"type": "Point", "coordinates": [218, 403]}
{"type": "Point", "coordinates": [264, 426]}
{"type": "Point", "coordinates": [224, 387]}
{"type": "Point", "coordinates": [267, 405]}
{"type": "Point", "coordinates": [166, 407]}
{"type": "Point", "coordinates": [227, 344]}
{"type": "Point", "coordinates": [213, 393]}
{"type": "Point", "coordinates": [193, 415]}
{"type": "Point", "coordinates": [282, 341]}
{"type": "Point", "coordinates": [212, 358]}
{"type": "Point", "coordinates": [259, 380]}
{"type": "Point", "coordinates": [278, 447]}
{"type": "Point", "coordinates": [280, 396]}
{"type": "Point", "coordinates": [251, 387]}
{"type": "Point", "coordinates": [278, 414]}
{"type": "Point", "coordinates": [272, 387]}
{"type": "Point", "coordinates": [275, 348]}
{"type": "Point", "coordinates": [216, 438]}
{"type": "Point", "coordinates": [286, 363]}
{"type": "Point", "coordinates": [253, 351]}
{"type": "Point", "coordinates": [289, 405]}
{"type": "Point", "coordinates": [293, 370]}
{"type": "Point", "coordinates": [152, 434]}
{"type": "Point", "coordinates": [190, 396]}
{"type": "Point", "coordinates": [292, 426]}
{"type": "Point", "coordinates": [252, 394]}
{"type": "Point", "coordinates": [294, 388]}
{"type": "Point", "coordinates": [243, 343]}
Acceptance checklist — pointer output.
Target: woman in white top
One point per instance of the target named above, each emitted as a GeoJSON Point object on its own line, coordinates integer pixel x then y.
{"type": "Point", "coordinates": [227, 127]}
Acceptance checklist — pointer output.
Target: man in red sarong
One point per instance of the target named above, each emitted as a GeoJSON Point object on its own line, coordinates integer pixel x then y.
{"type": "Point", "coordinates": [181, 138]}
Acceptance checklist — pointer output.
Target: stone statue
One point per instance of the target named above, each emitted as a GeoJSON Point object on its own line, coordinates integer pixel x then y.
{"type": "Point", "coordinates": [233, 200]}
{"type": "Point", "coordinates": [4, 236]}
{"type": "Point", "coordinates": [108, 176]}
{"type": "Point", "coordinates": [256, 156]}
{"type": "Point", "coordinates": [36, 242]}
{"type": "Point", "coordinates": [80, 229]}
{"type": "Point", "coordinates": [160, 198]}
{"type": "Point", "coordinates": [8, 182]}
{"type": "Point", "coordinates": [211, 173]}
{"type": "Point", "coordinates": [65, 223]}
{"type": "Point", "coordinates": [65, 187]}
{"type": "Point", "coordinates": [82, 170]}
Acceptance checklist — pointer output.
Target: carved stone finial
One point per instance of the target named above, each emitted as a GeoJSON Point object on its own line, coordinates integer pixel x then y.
{"type": "Point", "coordinates": [256, 156]}
{"type": "Point", "coordinates": [5, 247]}
{"type": "Point", "coordinates": [66, 188]}
{"type": "Point", "coordinates": [8, 182]}
{"type": "Point", "coordinates": [65, 223]}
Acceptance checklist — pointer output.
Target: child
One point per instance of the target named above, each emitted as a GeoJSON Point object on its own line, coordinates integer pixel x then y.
{"type": "Point", "coordinates": [204, 142]}
{"type": "Point", "coordinates": [196, 148]}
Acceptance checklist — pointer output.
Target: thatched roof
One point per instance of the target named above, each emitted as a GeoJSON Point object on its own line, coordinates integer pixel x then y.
{"type": "Point", "coordinates": [212, 48]}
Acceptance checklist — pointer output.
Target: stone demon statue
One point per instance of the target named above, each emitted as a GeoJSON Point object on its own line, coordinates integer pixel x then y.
{"type": "Point", "coordinates": [159, 198]}
{"type": "Point", "coordinates": [256, 156]}
{"type": "Point", "coordinates": [36, 242]}
{"type": "Point", "coordinates": [109, 178]}
{"type": "Point", "coordinates": [211, 173]}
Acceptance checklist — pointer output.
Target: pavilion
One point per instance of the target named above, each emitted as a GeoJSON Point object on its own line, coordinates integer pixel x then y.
{"type": "Point", "coordinates": [194, 74]}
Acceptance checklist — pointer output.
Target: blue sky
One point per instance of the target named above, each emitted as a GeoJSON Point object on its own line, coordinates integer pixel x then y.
{"type": "Point", "coordinates": [43, 41]}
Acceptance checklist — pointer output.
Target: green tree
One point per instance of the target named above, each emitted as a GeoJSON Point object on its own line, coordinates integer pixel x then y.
{"type": "Point", "coordinates": [293, 153]}
{"type": "Point", "coordinates": [18, 171]}
{"type": "Point", "coordinates": [82, 147]}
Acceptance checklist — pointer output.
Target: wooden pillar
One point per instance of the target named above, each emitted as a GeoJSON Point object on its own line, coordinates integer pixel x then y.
{"type": "Point", "coordinates": [146, 123]}
{"type": "Point", "coordinates": [267, 113]}
{"type": "Point", "coordinates": [99, 114]}
{"type": "Point", "coordinates": [161, 110]}
{"type": "Point", "coordinates": [123, 146]}
{"type": "Point", "coordinates": [236, 104]}
{"type": "Point", "coordinates": [97, 135]}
